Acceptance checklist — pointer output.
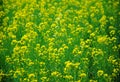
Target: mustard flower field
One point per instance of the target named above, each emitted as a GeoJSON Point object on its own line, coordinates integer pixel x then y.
{"type": "Point", "coordinates": [59, 40]}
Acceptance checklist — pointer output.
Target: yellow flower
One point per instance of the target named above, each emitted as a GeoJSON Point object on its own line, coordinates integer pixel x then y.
{"type": "Point", "coordinates": [56, 73]}
{"type": "Point", "coordinates": [22, 42]}
{"type": "Point", "coordinates": [51, 44]}
{"type": "Point", "coordinates": [25, 38]}
{"type": "Point", "coordinates": [70, 40]}
{"type": "Point", "coordinates": [65, 46]}
{"type": "Point", "coordinates": [79, 52]}
{"type": "Point", "coordinates": [43, 47]}
{"type": "Point", "coordinates": [78, 81]}
{"type": "Point", "coordinates": [114, 75]}
{"type": "Point", "coordinates": [60, 50]}
{"type": "Point", "coordinates": [31, 75]}
{"type": "Point", "coordinates": [115, 48]}
{"type": "Point", "coordinates": [105, 75]}
{"type": "Point", "coordinates": [17, 73]}
{"type": "Point", "coordinates": [11, 35]}
{"type": "Point", "coordinates": [115, 70]}
{"type": "Point", "coordinates": [103, 20]}
{"type": "Point", "coordinates": [42, 64]}
{"type": "Point", "coordinates": [55, 50]}
{"type": "Point", "coordinates": [111, 27]}
{"type": "Point", "coordinates": [53, 25]}
{"type": "Point", "coordinates": [34, 80]}
{"type": "Point", "coordinates": [44, 79]}
{"type": "Point", "coordinates": [92, 15]}
{"type": "Point", "coordinates": [119, 46]}
{"type": "Point", "coordinates": [100, 73]}
{"type": "Point", "coordinates": [37, 48]}
{"type": "Point", "coordinates": [82, 43]}
{"type": "Point", "coordinates": [2, 13]}
{"type": "Point", "coordinates": [23, 47]}
{"type": "Point", "coordinates": [112, 32]}
{"type": "Point", "coordinates": [76, 65]}
{"type": "Point", "coordinates": [111, 18]}
{"type": "Point", "coordinates": [102, 39]}
{"type": "Point", "coordinates": [16, 49]}
{"type": "Point", "coordinates": [82, 75]}
{"type": "Point", "coordinates": [113, 39]}
{"type": "Point", "coordinates": [25, 80]}
{"type": "Point", "coordinates": [93, 80]}
{"type": "Point", "coordinates": [113, 61]}
{"type": "Point", "coordinates": [32, 34]}
{"type": "Point", "coordinates": [75, 50]}
{"type": "Point", "coordinates": [70, 77]}
{"type": "Point", "coordinates": [111, 58]}
{"type": "Point", "coordinates": [92, 35]}
{"type": "Point", "coordinates": [38, 45]}
{"type": "Point", "coordinates": [14, 42]}
{"type": "Point", "coordinates": [68, 64]}
{"type": "Point", "coordinates": [8, 59]}
{"type": "Point", "coordinates": [30, 63]}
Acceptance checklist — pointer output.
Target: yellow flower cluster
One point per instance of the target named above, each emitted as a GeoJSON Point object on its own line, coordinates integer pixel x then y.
{"type": "Point", "coordinates": [60, 40]}
{"type": "Point", "coordinates": [100, 73]}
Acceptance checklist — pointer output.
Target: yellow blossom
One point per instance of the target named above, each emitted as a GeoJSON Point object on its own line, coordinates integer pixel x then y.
{"type": "Point", "coordinates": [92, 35]}
{"type": "Point", "coordinates": [93, 81]}
{"type": "Point", "coordinates": [100, 73]}
{"type": "Point", "coordinates": [32, 75]}
{"type": "Point", "coordinates": [102, 39]}
{"type": "Point", "coordinates": [70, 77]}
{"type": "Point", "coordinates": [76, 65]}
{"type": "Point", "coordinates": [82, 75]}
{"type": "Point", "coordinates": [111, 27]}
{"type": "Point", "coordinates": [14, 42]}
{"type": "Point", "coordinates": [56, 73]}
{"type": "Point", "coordinates": [114, 75]}
{"type": "Point", "coordinates": [17, 73]}
{"type": "Point", "coordinates": [16, 49]}
{"type": "Point", "coordinates": [42, 63]}
{"type": "Point", "coordinates": [44, 79]}
{"type": "Point", "coordinates": [30, 63]}
{"type": "Point", "coordinates": [105, 75]}
{"type": "Point", "coordinates": [115, 70]}
{"type": "Point", "coordinates": [115, 48]}
{"type": "Point", "coordinates": [68, 64]}
{"type": "Point", "coordinates": [112, 32]}
{"type": "Point", "coordinates": [103, 20]}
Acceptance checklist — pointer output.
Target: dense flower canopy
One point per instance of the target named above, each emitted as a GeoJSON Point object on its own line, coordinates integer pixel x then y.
{"type": "Point", "coordinates": [59, 40]}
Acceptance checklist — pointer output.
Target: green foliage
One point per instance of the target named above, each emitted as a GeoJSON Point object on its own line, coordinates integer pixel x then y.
{"type": "Point", "coordinates": [59, 41]}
